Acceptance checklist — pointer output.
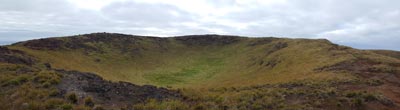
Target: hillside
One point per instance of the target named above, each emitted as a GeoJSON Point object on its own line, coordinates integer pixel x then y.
{"type": "Point", "coordinates": [394, 54]}
{"type": "Point", "coordinates": [189, 60]}
{"type": "Point", "coordinates": [26, 83]}
{"type": "Point", "coordinates": [204, 71]}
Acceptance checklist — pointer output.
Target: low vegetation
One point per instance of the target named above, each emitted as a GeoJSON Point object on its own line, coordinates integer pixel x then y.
{"type": "Point", "coordinates": [104, 71]}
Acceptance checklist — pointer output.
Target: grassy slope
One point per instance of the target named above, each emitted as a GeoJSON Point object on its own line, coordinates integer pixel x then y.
{"type": "Point", "coordinates": [394, 54]}
{"type": "Point", "coordinates": [267, 73]}
{"type": "Point", "coordinates": [183, 65]}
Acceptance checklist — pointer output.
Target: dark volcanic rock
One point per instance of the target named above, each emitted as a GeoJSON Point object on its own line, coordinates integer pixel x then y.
{"type": "Point", "coordinates": [362, 66]}
{"type": "Point", "coordinates": [106, 37]}
{"type": "Point", "coordinates": [106, 92]}
{"type": "Point", "coordinates": [261, 41]}
{"type": "Point", "coordinates": [45, 44]}
{"type": "Point", "coordinates": [14, 56]}
{"type": "Point", "coordinates": [276, 47]}
{"type": "Point", "coordinates": [383, 74]}
{"type": "Point", "coordinates": [204, 40]}
{"type": "Point", "coordinates": [80, 41]}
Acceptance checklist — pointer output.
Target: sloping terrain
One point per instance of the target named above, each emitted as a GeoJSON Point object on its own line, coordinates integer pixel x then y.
{"type": "Point", "coordinates": [203, 72]}
{"type": "Point", "coordinates": [27, 83]}
{"type": "Point", "coordinates": [209, 60]}
{"type": "Point", "coordinates": [394, 54]}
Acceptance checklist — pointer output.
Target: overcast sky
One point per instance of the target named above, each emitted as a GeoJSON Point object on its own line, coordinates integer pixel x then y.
{"type": "Point", "coordinates": [366, 24]}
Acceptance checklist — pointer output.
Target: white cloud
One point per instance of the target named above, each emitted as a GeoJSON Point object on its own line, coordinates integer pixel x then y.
{"type": "Point", "coordinates": [91, 4]}
{"type": "Point", "coordinates": [359, 23]}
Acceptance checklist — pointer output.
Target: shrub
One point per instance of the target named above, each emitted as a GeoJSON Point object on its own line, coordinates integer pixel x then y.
{"type": "Point", "coordinates": [353, 94]}
{"type": "Point", "coordinates": [46, 84]}
{"type": "Point", "coordinates": [81, 107]}
{"type": "Point", "coordinates": [89, 101]}
{"type": "Point", "coordinates": [358, 102]}
{"type": "Point", "coordinates": [174, 105]}
{"type": "Point", "coordinates": [17, 81]}
{"type": "Point", "coordinates": [47, 78]}
{"type": "Point", "coordinates": [338, 104]}
{"type": "Point", "coordinates": [153, 104]}
{"type": "Point", "coordinates": [98, 108]}
{"type": "Point", "coordinates": [35, 106]}
{"type": "Point", "coordinates": [375, 82]}
{"type": "Point", "coordinates": [370, 97]}
{"type": "Point", "coordinates": [53, 92]}
{"type": "Point", "coordinates": [256, 106]}
{"type": "Point", "coordinates": [53, 103]}
{"type": "Point", "coordinates": [199, 107]}
{"type": "Point", "coordinates": [72, 98]}
{"type": "Point", "coordinates": [66, 107]}
{"type": "Point", "coordinates": [138, 107]}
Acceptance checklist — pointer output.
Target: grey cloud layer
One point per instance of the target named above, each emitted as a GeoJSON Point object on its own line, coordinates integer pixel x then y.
{"type": "Point", "coordinates": [358, 23]}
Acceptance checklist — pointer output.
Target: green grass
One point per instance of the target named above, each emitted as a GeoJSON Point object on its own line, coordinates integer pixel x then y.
{"type": "Point", "coordinates": [178, 65]}
{"type": "Point", "coordinates": [202, 70]}
{"type": "Point", "coordinates": [171, 78]}
{"type": "Point", "coordinates": [277, 74]}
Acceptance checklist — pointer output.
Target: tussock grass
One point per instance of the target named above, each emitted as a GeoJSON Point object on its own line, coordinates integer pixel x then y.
{"type": "Point", "coordinates": [180, 65]}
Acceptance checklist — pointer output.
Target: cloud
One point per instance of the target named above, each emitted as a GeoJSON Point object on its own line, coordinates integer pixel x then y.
{"type": "Point", "coordinates": [358, 23]}
{"type": "Point", "coordinates": [145, 14]}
